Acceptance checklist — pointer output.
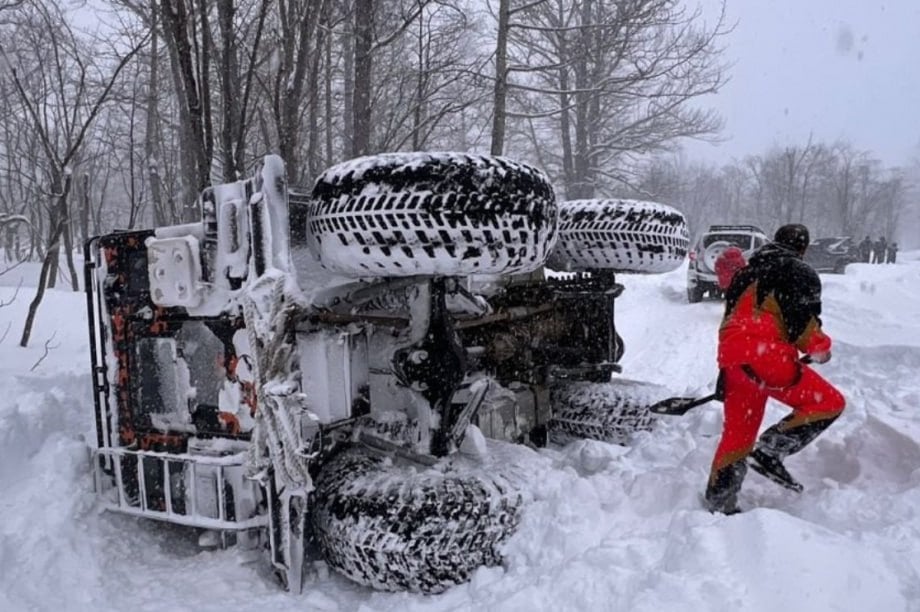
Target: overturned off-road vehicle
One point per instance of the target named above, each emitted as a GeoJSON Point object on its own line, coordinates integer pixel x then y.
{"type": "Point", "coordinates": [317, 373]}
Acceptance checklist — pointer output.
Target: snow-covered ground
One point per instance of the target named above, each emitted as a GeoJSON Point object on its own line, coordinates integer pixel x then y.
{"type": "Point", "coordinates": [609, 528]}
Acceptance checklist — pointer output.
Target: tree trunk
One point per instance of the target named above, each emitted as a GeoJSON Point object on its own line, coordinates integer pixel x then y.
{"type": "Point", "coordinates": [315, 148]}
{"type": "Point", "coordinates": [204, 82]}
{"type": "Point", "coordinates": [54, 266]}
{"type": "Point", "coordinates": [85, 207]}
{"type": "Point", "coordinates": [195, 145]}
{"type": "Point", "coordinates": [327, 161]}
{"type": "Point", "coordinates": [54, 230]}
{"type": "Point", "coordinates": [418, 113]}
{"type": "Point", "coordinates": [187, 173]}
{"type": "Point", "coordinates": [565, 119]}
{"type": "Point", "coordinates": [230, 93]}
{"type": "Point", "coordinates": [49, 262]}
{"type": "Point", "coordinates": [348, 92]}
{"type": "Point", "coordinates": [298, 49]}
{"type": "Point", "coordinates": [68, 249]}
{"type": "Point", "coordinates": [582, 186]}
{"type": "Point", "coordinates": [152, 125]}
{"type": "Point", "coordinates": [501, 78]}
{"type": "Point", "coordinates": [364, 39]}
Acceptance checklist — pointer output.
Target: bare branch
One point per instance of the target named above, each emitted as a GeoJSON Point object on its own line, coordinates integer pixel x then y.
{"type": "Point", "coordinates": [4, 303]}
{"type": "Point", "coordinates": [47, 349]}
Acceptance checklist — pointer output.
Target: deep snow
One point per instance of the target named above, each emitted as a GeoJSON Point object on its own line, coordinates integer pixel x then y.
{"type": "Point", "coordinates": [609, 528]}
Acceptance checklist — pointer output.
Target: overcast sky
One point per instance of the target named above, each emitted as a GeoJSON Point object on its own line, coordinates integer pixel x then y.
{"type": "Point", "coordinates": [838, 68]}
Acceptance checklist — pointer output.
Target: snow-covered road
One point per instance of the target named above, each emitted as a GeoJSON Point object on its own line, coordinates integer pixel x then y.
{"type": "Point", "coordinates": [609, 528]}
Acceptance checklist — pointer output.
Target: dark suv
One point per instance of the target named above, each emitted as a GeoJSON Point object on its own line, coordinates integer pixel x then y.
{"type": "Point", "coordinates": [701, 271]}
{"type": "Point", "coordinates": [832, 254]}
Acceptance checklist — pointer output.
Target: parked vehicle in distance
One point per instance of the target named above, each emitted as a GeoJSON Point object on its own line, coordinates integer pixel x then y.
{"type": "Point", "coordinates": [832, 254]}
{"type": "Point", "coordinates": [701, 271]}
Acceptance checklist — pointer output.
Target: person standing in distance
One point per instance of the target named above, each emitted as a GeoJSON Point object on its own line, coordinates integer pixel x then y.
{"type": "Point", "coordinates": [892, 253]}
{"type": "Point", "coordinates": [727, 264]}
{"type": "Point", "coordinates": [772, 314]}
{"type": "Point", "coordinates": [865, 250]}
{"type": "Point", "coordinates": [880, 250]}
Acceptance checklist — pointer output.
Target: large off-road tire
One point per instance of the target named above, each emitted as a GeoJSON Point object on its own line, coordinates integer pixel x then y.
{"type": "Point", "coordinates": [395, 527]}
{"type": "Point", "coordinates": [619, 235]}
{"type": "Point", "coordinates": [402, 214]}
{"type": "Point", "coordinates": [610, 412]}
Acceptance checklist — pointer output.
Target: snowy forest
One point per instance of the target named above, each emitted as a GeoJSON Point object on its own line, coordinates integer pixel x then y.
{"type": "Point", "coordinates": [116, 113]}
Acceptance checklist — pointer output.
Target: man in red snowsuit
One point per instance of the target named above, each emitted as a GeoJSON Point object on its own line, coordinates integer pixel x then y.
{"type": "Point", "coordinates": [772, 314]}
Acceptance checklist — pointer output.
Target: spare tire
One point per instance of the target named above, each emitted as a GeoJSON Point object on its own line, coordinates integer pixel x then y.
{"type": "Point", "coordinates": [451, 214]}
{"type": "Point", "coordinates": [713, 252]}
{"type": "Point", "coordinates": [619, 235]}
{"type": "Point", "coordinates": [609, 412]}
{"type": "Point", "coordinates": [394, 527]}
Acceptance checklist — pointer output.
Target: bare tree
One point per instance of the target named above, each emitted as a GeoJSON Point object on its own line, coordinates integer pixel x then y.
{"type": "Point", "coordinates": [786, 179]}
{"type": "Point", "coordinates": [242, 42]}
{"type": "Point", "coordinates": [910, 228]}
{"type": "Point", "coordinates": [72, 90]}
{"type": "Point", "coordinates": [363, 65]}
{"type": "Point", "coordinates": [369, 40]}
{"type": "Point", "coordinates": [20, 158]}
{"type": "Point", "coordinates": [844, 182]}
{"type": "Point", "coordinates": [187, 34]}
{"type": "Point", "coordinates": [298, 47]}
{"type": "Point", "coordinates": [161, 213]}
{"type": "Point", "coordinates": [892, 196]}
{"type": "Point", "coordinates": [500, 95]}
{"type": "Point", "coordinates": [425, 80]}
{"type": "Point", "coordinates": [606, 81]}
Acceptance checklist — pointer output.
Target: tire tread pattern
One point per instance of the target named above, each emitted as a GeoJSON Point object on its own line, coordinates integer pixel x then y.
{"type": "Point", "coordinates": [402, 214]}
{"type": "Point", "coordinates": [619, 235]}
{"type": "Point", "coordinates": [392, 528]}
{"type": "Point", "coordinates": [609, 412]}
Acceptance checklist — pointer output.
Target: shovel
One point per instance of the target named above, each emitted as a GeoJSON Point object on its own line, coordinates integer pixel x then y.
{"type": "Point", "coordinates": [676, 406]}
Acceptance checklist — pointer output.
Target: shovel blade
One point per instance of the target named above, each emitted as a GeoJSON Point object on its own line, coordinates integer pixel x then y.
{"type": "Point", "coordinates": [677, 406]}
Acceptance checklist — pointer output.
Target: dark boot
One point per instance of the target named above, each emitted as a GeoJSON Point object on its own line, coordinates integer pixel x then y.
{"type": "Point", "coordinates": [724, 484]}
{"type": "Point", "coordinates": [772, 468]}
{"type": "Point", "coordinates": [780, 441]}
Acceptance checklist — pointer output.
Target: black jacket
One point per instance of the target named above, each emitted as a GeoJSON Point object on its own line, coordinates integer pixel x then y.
{"type": "Point", "coordinates": [783, 285]}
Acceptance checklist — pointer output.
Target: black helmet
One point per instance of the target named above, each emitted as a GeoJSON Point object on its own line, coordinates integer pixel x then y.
{"type": "Point", "coordinates": [794, 235]}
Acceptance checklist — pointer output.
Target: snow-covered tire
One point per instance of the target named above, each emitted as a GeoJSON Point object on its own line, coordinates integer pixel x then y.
{"type": "Point", "coordinates": [610, 412]}
{"type": "Point", "coordinates": [452, 214]}
{"type": "Point", "coordinates": [405, 528]}
{"type": "Point", "coordinates": [619, 235]}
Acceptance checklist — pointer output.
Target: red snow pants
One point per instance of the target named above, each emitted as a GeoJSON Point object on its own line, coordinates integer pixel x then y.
{"type": "Point", "coordinates": [778, 374]}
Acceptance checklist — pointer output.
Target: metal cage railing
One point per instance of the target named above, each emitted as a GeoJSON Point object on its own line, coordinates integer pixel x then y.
{"type": "Point", "coordinates": [210, 492]}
